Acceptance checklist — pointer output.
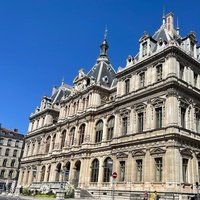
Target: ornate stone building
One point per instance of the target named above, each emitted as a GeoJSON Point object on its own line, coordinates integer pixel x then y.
{"type": "Point", "coordinates": [11, 146]}
{"type": "Point", "coordinates": [142, 122]}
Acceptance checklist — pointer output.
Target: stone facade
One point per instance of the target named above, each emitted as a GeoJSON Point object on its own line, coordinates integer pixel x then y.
{"type": "Point", "coordinates": [11, 147]}
{"type": "Point", "coordinates": [142, 122]}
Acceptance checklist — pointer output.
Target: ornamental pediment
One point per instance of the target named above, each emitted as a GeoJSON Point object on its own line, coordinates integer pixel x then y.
{"type": "Point", "coordinates": [138, 153]}
{"type": "Point", "coordinates": [121, 155]}
{"type": "Point", "coordinates": [157, 151]}
{"type": "Point", "coordinates": [157, 101]}
{"type": "Point", "coordinates": [186, 152]}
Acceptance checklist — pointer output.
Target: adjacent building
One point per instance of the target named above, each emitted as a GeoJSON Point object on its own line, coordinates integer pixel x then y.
{"type": "Point", "coordinates": [142, 122]}
{"type": "Point", "coordinates": [11, 147]}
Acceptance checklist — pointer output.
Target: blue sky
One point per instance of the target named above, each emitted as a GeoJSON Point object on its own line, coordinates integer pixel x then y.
{"type": "Point", "coordinates": [44, 41]}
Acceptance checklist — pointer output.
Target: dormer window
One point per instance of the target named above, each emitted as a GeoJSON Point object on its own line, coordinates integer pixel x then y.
{"type": "Point", "coordinates": [144, 49]}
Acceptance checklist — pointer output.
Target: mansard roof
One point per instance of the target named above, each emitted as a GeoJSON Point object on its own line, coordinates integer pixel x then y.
{"type": "Point", "coordinates": [102, 72]}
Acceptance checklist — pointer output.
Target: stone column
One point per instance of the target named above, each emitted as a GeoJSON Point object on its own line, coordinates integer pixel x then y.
{"type": "Point", "coordinates": [30, 178]}
{"type": "Point", "coordinates": [71, 173]}
{"type": "Point", "coordinates": [25, 150]}
{"type": "Point", "coordinates": [52, 176]}
{"type": "Point", "coordinates": [104, 136]}
{"type": "Point", "coordinates": [36, 148]}
{"type": "Point", "coordinates": [20, 179]}
{"type": "Point", "coordinates": [171, 105]}
{"type": "Point", "coordinates": [116, 126]}
{"type": "Point", "coordinates": [101, 170]}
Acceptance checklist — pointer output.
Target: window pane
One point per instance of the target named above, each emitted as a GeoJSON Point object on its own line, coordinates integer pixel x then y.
{"type": "Point", "coordinates": [140, 122]}
{"type": "Point", "coordinates": [122, 171]}
{"type": "Point", "coordinates": [139, 170]}
{"type": "Point", "coordinates": [185, 170]}
{"type": "Point", "coordinates": [158, 117]}
{"type": "Point", "coordinates": [158, 169]}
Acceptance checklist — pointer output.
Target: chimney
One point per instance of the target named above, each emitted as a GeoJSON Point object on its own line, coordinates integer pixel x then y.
{"type": "Point", "coordinates": [170, 23]}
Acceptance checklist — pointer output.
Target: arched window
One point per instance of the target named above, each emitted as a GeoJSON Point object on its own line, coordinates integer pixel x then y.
{"type": "Point", "coordinates": [63, 136]}
{"type": "Point", "coordinates": [53, 142]}
{"type": "Point", "coordinates": [15, 153]}
{"type": "Point", "coordinates": [107, 169]}
{"type": "Point", "coordinates": [10, 175]}
{"type": "Point", "coordinates": [7, 152]}
{"type": "Point", "coordinates": [9, 142]}
{"type": "Point", "coordinates": [2, 175]}
{"type": "Point", "coordinates": [48, 172]}
{"type": "Point", "coordinates": [99, 131]}
{"type": "Point", "coordinates": [42, 174]}
{"type": "Point", "coordinates": [58, 172]}
{"type": "Point", "coordinates": [95, 171]}
{"type": "Point", "coordinates": [48, 141]}
{"type": "Point", "coordinates": [81, 134]}
{"type": "Point", "coordinates": [110, 130]}
{"type": "Point", "coordinates": [4, 162]}
{"type": "Point", "coordinates": [17, 143]}
{"type": "Point", "coordinates": [72, 133]}
{"type": "Point", "coordinates": [12, 163]}
{"type": "Point", "coordinates": [67, 168]}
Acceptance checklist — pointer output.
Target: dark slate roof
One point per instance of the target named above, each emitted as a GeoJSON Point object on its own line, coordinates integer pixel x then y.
{"type": "Point", "coordinates": [102, 73]}
{"type": "Point", "coordinates": [161, 33]}
{"type": "Point", "coordinates": [4, 131]}
{"type": "Point", "coordinates": [64, 89]}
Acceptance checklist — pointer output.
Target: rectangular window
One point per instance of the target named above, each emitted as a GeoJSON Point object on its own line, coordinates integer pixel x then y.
{"type": "Point", "coordinates": [195, 79]}
{"type": "Point", "coordinates": [15, 153]}
{"type": "Point", "coordinates": [198, 122]}
{"type": "Point", "coordinates": [139, 170]}
{"type": "Point", "coordinates": [183, 111]}
{"type": "Point", "coordinates": [158, 169]}
{"type": "Point", "coordinates": [142, 79]}
{"type": "Point", "coordinates": [159, 72]}
{"type": "Point", "coordinates": [122, 171]}
{"type": "Point", "coordinates": [181, 72]}
{"type": "Point", "coordinates": [144, 49]}
{"type": "Point", "coordinates": [7, 152]}
{"type": "Point", "coordinates": [185, 170]}
{"type": "Point", "coordinates": [127, 86]}
{"type": "Point", "coordinates": [158, 117]}
{"type": "Point", "coordinates": [140, 122]}
{"type": "Point", "coordinates": [124, 125]}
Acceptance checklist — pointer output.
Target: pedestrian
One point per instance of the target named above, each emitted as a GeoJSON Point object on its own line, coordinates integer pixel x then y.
{"type": "Point", "coordinates": [145, 196]}
{"type": "Point", "coordinates": [154, 196]}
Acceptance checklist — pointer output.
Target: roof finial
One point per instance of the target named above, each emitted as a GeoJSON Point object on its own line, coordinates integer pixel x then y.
{"type": "Point", "coordinates": [105, 33]}
{"type": "Point", "coordinates": [163, 17]}
{"type": "Point", "coordinates": [62, 83]}
{"type": "Point", "coordinates": [177, 27]}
